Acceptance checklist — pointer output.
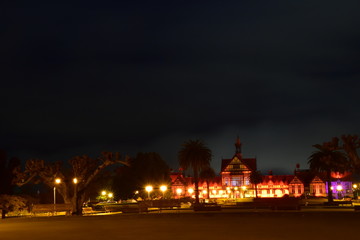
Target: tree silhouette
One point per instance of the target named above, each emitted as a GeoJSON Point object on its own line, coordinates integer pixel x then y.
{"type": "Point", "coordinates": [350, 144]}
{"type": "Point", "coordinates": [208, 175]}
{"type": "Point", "coordinates": [195, 155]}
{"type": "Point", "coordinates": [328, 159]}
{"type": "Point", "coordinates": [9, 203]}
{"type": "Point", "coordinates": [6, 172]}
{"type": "Point", "coordinates": [255, 178]}
{"type": "Point", "coordinates": [83, 168]}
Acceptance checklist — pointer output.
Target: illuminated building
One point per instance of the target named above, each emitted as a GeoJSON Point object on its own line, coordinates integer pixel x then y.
{"type": "Point", "coordinates": [236, 172]}
{"type": "Point", "coordinates": [234, 182]}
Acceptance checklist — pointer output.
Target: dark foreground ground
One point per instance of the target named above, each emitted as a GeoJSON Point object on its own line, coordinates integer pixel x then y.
{"type": "Point", "coordinates": [217, 225]}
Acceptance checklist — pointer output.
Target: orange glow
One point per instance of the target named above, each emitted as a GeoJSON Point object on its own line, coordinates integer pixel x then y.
{"type": "Point", "coordinates": [339, 175]}
{"type": "Point", "coordinates": [148, 188]}
{"type": "Point", "coordinates": [163, 188]}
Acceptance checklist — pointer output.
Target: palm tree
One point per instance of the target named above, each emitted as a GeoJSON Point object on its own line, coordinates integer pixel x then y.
{"type": "Point", "coordinates": [207, 174]}
{"type": "Point", "coordinates": [195, 155]}
{"type": "Point", "coordinates": [327, 159]}
{"type": "Point", "coordinates": [350, 145]}
{"type": "Point", "coordinates": [255, 178]}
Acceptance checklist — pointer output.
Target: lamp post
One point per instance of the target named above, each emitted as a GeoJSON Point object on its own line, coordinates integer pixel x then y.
{"type": "Point", "coordinates": [148, 189]}
{"type": "Point", "coordinates": [75, 181]}
{"type": "Point", "coordinates": [179, 191]}
{"type": "Point", "coordinates": [236, 192]}
{"type": "Point", "coordinates": [163, 189]}
{"type": "Point", "coordinates": [110, 195]}
{"type": "Point", "coordinates": [190, 191]}
{"type": "Point", "coordinates": [339, 188]}
{"type": "Point", "coordinates": [244, 190]}
{"type": "Point", "coordinates": [355, 186]}
{"type": "Point", "coordinates": [57, 181]}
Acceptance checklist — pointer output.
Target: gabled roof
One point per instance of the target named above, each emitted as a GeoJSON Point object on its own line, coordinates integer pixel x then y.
{"type": "Point", "coordinates": [248, 162]}
{"type": "Point", "coordinates": [225, 163]}
{"type": "Point", "coordinates": [276, 179]}
{"type": "Point", "coordinates": [305, 175]}
{"type": "Point", "coordinates": [216, 180]}
{"type": "Point", "coordinates": [177, 177]}
{"type": "Point", "coordinates": [188, 181]}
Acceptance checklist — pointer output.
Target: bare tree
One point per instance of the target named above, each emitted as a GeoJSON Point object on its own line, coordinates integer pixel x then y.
{"type": "Point", "coordinates": [73, 184]}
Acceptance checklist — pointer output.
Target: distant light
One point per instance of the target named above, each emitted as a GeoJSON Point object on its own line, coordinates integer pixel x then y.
{"type": "Point", "coordinates": [214, 191]}
{"type": "Point", "coordinates": [57, 180]}
{"type": "Point", "coordinates": [136, 192]}
{"type": "Point", "coordinates": [190, 190]}
{"type": "Point", "coordinates": [339, 187]}
{"type": "Point", "coordinates": [110, 195]}
{"type": "Point", "coordinates": [103, 193]}
{"type": "Point", "coordinates": [179, 191]}
{"type": "Point", "coordinates": [355, 186]}
{"type": "Point", "coordinates": [235, 188]}
{"type": "Point", "coordinates": [204, 191]}
{"type": "Point", "coordinates": [221, 192]}
{"type": "Point", "coordinates": [243, 188]}
{"type": "Point", "coordinates": [149, 188]}
{"type": "Point", "coordinates": [332, 188]}
{"type": "Point", "coordinates": [75, 180]}
{"type": "Point", "coordinates": [163, 188]}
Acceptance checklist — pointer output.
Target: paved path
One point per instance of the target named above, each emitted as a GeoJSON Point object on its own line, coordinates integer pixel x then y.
{"type": "Point", "coordinates": [217, 225]}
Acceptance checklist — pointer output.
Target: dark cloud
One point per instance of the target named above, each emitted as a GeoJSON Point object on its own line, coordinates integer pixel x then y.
{"type": "Point", "coordinates": [144, 76]}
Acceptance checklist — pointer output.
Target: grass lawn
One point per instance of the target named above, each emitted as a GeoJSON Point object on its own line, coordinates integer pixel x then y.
{"type": "Point", "coordinates": [216, 225]}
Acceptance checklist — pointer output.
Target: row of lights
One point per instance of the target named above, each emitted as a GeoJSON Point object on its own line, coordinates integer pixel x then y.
{"type": "Point", "coordinates": [109, 195]}
{"type": "Point", "coordinates": [163, 188]}
{"type": "Point", "coordinates": [149, 189]}
{"type": "Point", "coordinates": [58, 180]}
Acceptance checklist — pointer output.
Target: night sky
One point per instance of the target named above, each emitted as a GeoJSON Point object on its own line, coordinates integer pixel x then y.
{"type": "Point", "coordinates": [134, 76]}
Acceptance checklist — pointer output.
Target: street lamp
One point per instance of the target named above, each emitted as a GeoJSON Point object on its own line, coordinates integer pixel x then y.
{"type": "Point", "coordinates": [75, 181]}
{"type": "Point", "coordinates": [57, 181]}
{"type": "Point", "coordinates": [148, 189]}
{"type": "Point", "coordinates": [179, 191]}
{"type": "Point", "coordinates": [163, 188]}
{"type": "Point", "coordinates": [191, 191]}
{"type": "Point", "coordinates": [355, 191]}
{"type": "Point", "coordinates": [339, 188]}
{"type": "Point", "coordinates": [204, 192]}
{"type": "Point", "coordinates": [110, 195]}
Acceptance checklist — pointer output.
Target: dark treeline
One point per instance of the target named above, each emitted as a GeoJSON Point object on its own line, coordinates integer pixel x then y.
{"type": "Point", "coordinates": [7, 165]}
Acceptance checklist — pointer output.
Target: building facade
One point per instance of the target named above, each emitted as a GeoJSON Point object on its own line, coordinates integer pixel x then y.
{"type": "Point", "coordinates": [234, 182]}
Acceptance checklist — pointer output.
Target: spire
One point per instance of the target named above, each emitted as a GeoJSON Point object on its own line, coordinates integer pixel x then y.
{"type": "Point", "coordinates": [238, 145]}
